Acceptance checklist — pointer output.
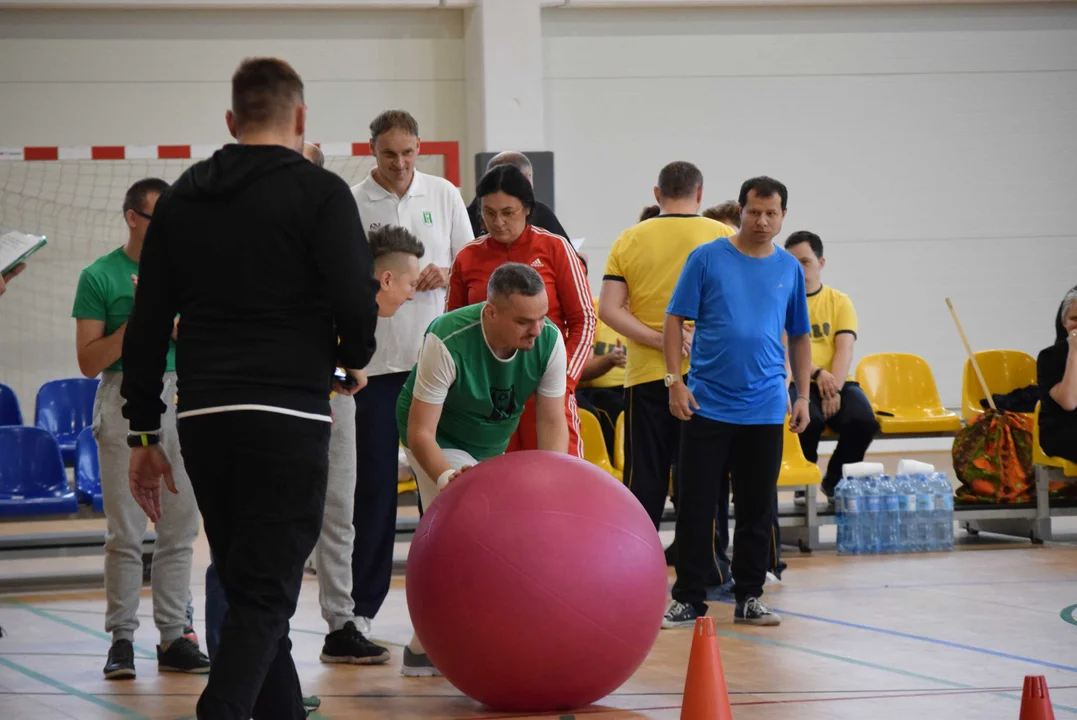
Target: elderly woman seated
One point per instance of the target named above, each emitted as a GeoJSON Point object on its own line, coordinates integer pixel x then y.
{"type": "Point", "coordinates": [1057, 371]}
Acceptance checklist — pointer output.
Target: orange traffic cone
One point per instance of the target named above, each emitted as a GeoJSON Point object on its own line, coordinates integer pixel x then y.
{"type": "Point", "coordinates": [705, 694]}
{"type": "Point", "coordinates": [1035, 700]}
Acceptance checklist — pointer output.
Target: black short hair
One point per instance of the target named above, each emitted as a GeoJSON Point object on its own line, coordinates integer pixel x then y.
{"type": "Point", "coordinates": [805, 236]}
{"type": "Point", "coordinates": [649, 212]}
{"type": "Point", "coordinates": [391, 239]}
{"type": "Point", "coordinates": [764, 187]}
{"type": "Point", "coordinates": [679, 180]}
{"type": "Point", "coordinates": [513, 278]}
{"type": "Point", "coordinates": [264, 92]}
{"type": "Point", "coordinates": [509, 180]}
{"type": "Point", "coordinates": [135, 197]}
{"type": "Point", "coordinates": [394, 120]}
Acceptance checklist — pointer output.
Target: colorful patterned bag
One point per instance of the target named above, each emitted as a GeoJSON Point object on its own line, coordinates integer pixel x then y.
{"type": "Point", "coordinates": [993, 459]}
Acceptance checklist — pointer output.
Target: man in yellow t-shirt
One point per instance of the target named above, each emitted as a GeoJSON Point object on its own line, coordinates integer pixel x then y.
{"type": "Point", "coordinates": [835, 400]}
{"type": "Point", "coordinates": [601, 388]}
{"type": "Point", "coordinates": [642, 269]}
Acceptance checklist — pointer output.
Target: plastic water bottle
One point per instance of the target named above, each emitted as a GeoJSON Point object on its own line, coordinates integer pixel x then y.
{"type": "Point", "coordinates": [873, 524]}
{"type": "Point", "coordinates": [925, 508]}
{"type": "Point", "coordinates": [841, 514]}
{"type": "Point", "coordinates": [944, 512]}
{"type": "Point", "coordinates": [852, 509]}
{"type": "Point", "coordinates": [889, 520]}
{"type": "Point", "coordinates": [909, 518]}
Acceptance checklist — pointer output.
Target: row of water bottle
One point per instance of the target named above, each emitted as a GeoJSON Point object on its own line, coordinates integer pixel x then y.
{"type": "Point", "coordinates": [906, 513]}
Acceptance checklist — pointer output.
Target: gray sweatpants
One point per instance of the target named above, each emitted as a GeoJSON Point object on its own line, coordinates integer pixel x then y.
{"type": "Point", "coordinates": [176, 530]}
{"type": "Point", "coordinates": [333, 553]}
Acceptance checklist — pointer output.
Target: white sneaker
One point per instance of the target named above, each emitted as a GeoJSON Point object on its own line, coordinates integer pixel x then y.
{"type": "Point", "coordinates": [772, 579]}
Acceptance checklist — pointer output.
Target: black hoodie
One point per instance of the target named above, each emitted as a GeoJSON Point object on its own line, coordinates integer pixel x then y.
{"type": "Point", "coordinates": [262, 255]}
{"type": "Point", "coordinates": [1058, 427]}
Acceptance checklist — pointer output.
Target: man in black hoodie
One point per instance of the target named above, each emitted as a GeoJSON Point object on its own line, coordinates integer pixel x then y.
{"type": "Point", "coordinates": [541, 215]}
{"type": "Point", "coordinates": [263, 257]}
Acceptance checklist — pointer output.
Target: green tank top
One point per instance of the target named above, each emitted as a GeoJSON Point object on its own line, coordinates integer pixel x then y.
{"type": "Point", "coordinates": [485, 401]}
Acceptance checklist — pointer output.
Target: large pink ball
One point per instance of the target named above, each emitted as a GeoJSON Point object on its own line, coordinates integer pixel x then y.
{"type": "Point", "coordinates": [536, 582]}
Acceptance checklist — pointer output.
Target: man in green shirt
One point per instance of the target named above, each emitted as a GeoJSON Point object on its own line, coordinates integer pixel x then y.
{"type": "Point", "coordinates": [462, 401]}
{"type": "Point", "coordinates": [103, 302]}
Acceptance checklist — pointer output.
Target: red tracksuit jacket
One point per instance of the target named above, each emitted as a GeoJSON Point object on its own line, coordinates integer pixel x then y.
{"type": "Point", "coordinates": [571, 306]}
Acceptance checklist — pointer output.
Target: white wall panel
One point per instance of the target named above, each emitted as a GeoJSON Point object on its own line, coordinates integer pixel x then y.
{"type": "Point", "coordinates": [931, 149]}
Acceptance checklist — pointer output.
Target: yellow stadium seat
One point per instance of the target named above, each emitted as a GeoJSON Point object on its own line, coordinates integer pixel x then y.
{"type": "Point", "coordinates": [406, 486]}
{"type": "Point", "coordinates": [619, 443]}
{"type": "Point", "coordinates": [796, 470]}
{"type": "Point", "coordinates": [1039, 457]}
{"type": "Point", "coordinates": [594, 445]}
{"type": "Point", "coordinates": [1004, 371]}
{"type": "Point", "coordinates": [902, 390]}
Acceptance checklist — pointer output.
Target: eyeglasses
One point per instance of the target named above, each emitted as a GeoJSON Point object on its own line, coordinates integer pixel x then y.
{"type": "Point", "coordinates": [142, 214]}
{"type": "Point", "coordinates": [506, 214]}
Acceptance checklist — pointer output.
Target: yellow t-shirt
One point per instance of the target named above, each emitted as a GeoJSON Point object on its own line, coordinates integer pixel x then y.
{"type": "Point", "coordinates": [649, 257]}
{"type": "Point", "coordinates": [605, 340]}
{"type": "Point", "coordinates": [831, 313]}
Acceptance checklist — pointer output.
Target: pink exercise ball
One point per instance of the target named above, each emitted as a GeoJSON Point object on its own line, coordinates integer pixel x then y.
{"type": "Point", "coordinates": [536, 582]}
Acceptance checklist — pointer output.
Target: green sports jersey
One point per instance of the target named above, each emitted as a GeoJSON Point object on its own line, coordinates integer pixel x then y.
{"type": "Point", "coordinates": [484, 402]}
{"type": "Point", "coordinates": [107, 293]}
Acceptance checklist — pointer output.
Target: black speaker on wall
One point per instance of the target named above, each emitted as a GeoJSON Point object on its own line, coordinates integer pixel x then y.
{"type": "Point", "coordinates": [542, 171]}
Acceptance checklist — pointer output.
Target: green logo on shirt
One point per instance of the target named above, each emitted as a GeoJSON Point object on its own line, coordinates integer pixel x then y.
{"type": "Point", "coordinates": [428, 217]}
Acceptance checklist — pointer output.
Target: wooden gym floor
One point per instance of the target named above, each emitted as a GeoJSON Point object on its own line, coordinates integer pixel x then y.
{"type": "Point", "coordinates": [924, 636]}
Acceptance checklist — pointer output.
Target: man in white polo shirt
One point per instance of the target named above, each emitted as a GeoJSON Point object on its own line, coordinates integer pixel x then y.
{"type": "Point", "coordinates": [431, 208]}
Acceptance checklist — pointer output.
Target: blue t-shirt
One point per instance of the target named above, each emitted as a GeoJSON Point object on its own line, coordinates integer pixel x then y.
{"type": "Point", "coordinates": [741, 305]}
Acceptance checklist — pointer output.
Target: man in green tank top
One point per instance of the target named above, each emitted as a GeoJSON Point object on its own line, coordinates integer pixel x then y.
{"type": "Point", "coordinates": [462, 401]}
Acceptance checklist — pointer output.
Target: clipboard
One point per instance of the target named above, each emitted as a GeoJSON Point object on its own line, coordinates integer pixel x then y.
{"type": "Point", "coordinates": [16, 247]}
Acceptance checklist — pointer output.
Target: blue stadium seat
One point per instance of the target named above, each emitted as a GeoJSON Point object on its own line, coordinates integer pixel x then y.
{"type": "Point", "coordinates": [64, 408]}
{"type": "Point", "coordinates": [32, 476]}
{"type": "Point", "coordinates": [88, 471]}
{"type": "Point", "coordinates": [10, 413]}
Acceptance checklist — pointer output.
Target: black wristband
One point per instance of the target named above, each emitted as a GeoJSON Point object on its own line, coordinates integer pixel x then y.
{"type": "Point", "coordinates": [815, 375]}
{"type": "Point", "coordinates": [143, 440]}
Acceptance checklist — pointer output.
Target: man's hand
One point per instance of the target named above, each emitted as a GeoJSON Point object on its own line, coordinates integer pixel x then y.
{"type": "Point", "coordinates": [360, 382]}
{"type": "Point", "coordinates": [460, 471]}
{"type": "Point", "coordinates": [831, 405]}
{"type": "Point", "coordinates": [1072, 340]}
{"type": "Point", "coordinates": [432, 278]}
{"type": "Point", "coordinates": [681, 401]}
{"type": "Point", "coordinates": [828, 385]}
{"type": "Point", "coordinates": [9, 275]}
{"type": "Point", "coordinates": [134, 281]}
{"type": "Point", "coordinates": [148, 466]}
{"type": "Point", "coordinates": [798, 423]}
{"type": "Point", "coordinates": [688, 332]}
{"type": "Point", "coordinates": [616, 355]}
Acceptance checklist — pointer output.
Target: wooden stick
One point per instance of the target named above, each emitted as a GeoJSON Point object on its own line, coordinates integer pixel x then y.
{"type": "Point", "coordinates": [972, 356]}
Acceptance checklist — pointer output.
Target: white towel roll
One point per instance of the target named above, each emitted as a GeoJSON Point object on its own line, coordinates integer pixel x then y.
{"type": "Point", "coordinates": [914, 467]}
{"type": "Point", "coordinates": [861, 469]}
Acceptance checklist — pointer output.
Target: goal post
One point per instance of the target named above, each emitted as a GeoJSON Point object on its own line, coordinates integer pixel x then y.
{"type": "Point", "coordinates": [74, 196]}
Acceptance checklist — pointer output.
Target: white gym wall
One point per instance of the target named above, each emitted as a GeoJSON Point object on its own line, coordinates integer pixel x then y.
{"type": "Point", "coordinates": [931, 147]}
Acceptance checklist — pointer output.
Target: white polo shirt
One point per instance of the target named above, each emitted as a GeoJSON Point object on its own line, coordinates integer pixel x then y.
{"type": "Point", "coordinates": [433, 210]}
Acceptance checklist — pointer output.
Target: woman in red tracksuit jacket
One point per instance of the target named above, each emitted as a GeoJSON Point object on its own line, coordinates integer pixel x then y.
{"type": "Point", "coordinates": [506, 199]}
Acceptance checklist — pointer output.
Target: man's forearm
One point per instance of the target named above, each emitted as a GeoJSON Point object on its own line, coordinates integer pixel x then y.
{"type": "Point", "coordinates": [673, 343]}
{"type": "Point", "coordinates": [424, 446]}
{"type": "Point", "coordinates": [553, 434]}
{"type": "Point", "coordinates": [629, 326]}
{"type": "Point", "coordinates": [102, 352]}
{"type": "Point", "coordinates": [596, 367]}
{"type": "Point", "coordinates": [839, 367]}
{"type": "Point", "coordinates": [800, 355]}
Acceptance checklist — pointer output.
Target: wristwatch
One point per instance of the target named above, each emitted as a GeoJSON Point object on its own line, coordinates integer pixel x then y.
{"type": "Point", "coordinates": [672, 378]}
{"type": "Point", "coordinates": [138, 440]}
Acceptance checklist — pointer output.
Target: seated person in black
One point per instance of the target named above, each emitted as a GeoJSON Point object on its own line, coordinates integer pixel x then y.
{"type": "Point", "coordinates": [1056, 369]}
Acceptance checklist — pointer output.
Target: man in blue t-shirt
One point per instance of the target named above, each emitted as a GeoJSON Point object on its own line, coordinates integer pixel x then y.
{"type": "Point", "coordinates": [742, 292]}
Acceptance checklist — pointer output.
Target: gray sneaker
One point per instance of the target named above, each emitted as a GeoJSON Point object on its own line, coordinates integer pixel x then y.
{"type": "Point", "coordinates": [753, 612]}
{"type": "Point", "coordinates": [416, 665]}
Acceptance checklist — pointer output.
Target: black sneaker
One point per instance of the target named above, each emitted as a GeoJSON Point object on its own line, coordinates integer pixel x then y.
{"type": "Point", "coordinates": [753, 612]}
{"type": "Point", "coordinates": [418, 665]}
{"type": "Point", "coordinates": [350, 646]}
{"type": "Point", "coordinates": [679, 615]}
{"type": "Point", "coordinates": [121, 661]}
{"type": "Point", "coordinates": [182, 656]}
